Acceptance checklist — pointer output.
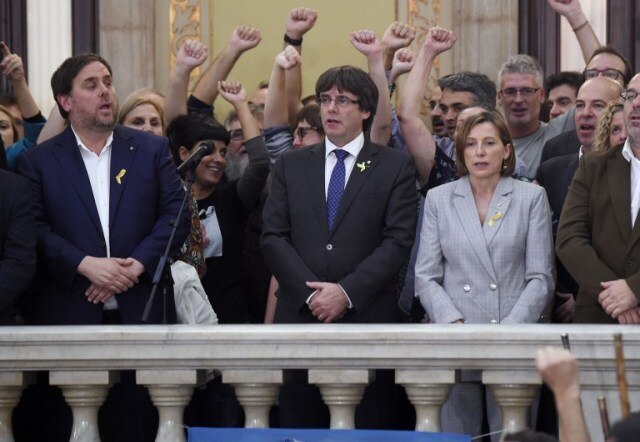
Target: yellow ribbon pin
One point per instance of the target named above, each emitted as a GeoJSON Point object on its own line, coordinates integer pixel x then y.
{"type": "Point", "coordinates": [120, 175]}
{"type": "Point", "coordinates": [362, 166]}
{"type": "Point", "coordinates": [495, 218]}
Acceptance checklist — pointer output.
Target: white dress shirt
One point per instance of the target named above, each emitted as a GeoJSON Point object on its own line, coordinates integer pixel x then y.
{"type": "Point", "coordinates": [628, 155]}
{"type": "Point", "coordinates": [353, 147]}
{"type": "Point", "coordinates": [98, 169]}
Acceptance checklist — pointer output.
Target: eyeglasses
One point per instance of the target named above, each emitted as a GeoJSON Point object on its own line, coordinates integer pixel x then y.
{"type": "Point", "coordinates": [236, 135]}
{"type": "Point", "coordinates": [340, 101]}
{"type": "Point", "coordinates": [609, 73]}
{"type": "Point", "coordinates": [629, 95]}
{"type": "Point", "coordinates": [302, 132]}
{"type": "Point", "coordinates": [524, 91]}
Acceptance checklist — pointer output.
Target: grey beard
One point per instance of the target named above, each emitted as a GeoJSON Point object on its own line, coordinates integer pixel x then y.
{"type": "Point", "coordinates": [236, 164]}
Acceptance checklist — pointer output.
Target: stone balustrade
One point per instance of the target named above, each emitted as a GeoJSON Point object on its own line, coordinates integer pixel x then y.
{"type": "Point", "coordinates": [171, 360]}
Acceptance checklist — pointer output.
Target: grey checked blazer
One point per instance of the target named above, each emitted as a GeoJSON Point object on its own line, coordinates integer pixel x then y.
{"type": "Point", "coordinates": [498, 272]}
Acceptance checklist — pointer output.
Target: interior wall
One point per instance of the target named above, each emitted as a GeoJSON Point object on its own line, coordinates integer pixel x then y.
{"type": "Point", "coordinates": [326, 45]}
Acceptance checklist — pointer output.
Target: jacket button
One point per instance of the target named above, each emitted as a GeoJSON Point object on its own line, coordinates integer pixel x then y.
{"type": "Point", "coordinates": [493, 287]}
{"type": "Point", "coordinates": [493, 321]}
{"type": "Point", "coordinates": [329, 247]}
{"type": "Point", "coordinates": [466, 288]}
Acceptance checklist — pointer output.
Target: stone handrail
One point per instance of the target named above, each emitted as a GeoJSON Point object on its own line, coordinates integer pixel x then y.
{"type": "Point", "coordinates": [170, 360]}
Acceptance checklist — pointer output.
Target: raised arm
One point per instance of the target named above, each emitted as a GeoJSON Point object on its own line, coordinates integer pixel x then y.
{"type": "Point", "coordinates": [13, 68]}
{"type": "Point", "coordinates": [403, 61]}
{"type": "Point", "coordinates": [191, 55]}
{"type": "Point", "coordinates": [252, 182]}
{"type": "Point", "coordinates": [299, 22]}
{"type": "Point", "coordinates": [368, 44]}
{"type": "Point", "coordinates": [572, 11]}
{"type": "Point", "coordinates": [55, 124]}
{"type": "Point", "coordinates": [276, 111]}
{"type": "Point", "coordinates": [559, 370]}
{"type": "Point", "coordinates": [242, 39]}
{"type": "Point", "coordinates": [397, 36]}
{"type": "Point", "coordinates": [419, 139]}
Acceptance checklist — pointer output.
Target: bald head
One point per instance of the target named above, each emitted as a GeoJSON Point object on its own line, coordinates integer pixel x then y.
{"type": "Point", "coordinates": [593, 97]}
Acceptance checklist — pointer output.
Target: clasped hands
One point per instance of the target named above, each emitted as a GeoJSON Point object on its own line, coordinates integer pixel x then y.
{"type": "Point", "coordinates": [329, 302]}
{"type": "Point", "coordinates": [109, 276]}
{"type": "Point", "coordinates": [619, 302]}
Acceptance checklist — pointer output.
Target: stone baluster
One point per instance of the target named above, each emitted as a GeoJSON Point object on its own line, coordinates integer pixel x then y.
{"type": "Point", "coordinates": [11, 383]}
{"type": "Point", "coordinates": [513, 391]}
{"type": "Point", "coordinates": [342, 391]}
{"type": "Point", "coordinates": [84, 391]}
{"type": "Point", "coordinates": [170, 391]}
{"type": "Point", "coordinates": [427, 390]}
{"type": "Point", "coordinates": [256, 391]}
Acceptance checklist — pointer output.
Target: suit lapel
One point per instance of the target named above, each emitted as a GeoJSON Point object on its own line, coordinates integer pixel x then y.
{"type": "Point", "coordinates": [359, 175]}
{"type": "Point", "coordinates": [315, 177]}
{"type": "Point", "coordinates": [619, 183]}
{"type": "Point", "coordinates": [122, 153]}
{"type": "Point", "coordinates": [68, 156]}
{"type": "Point", "coordinates": [497, 209]}
{"type": "Point", "coordinates": [468, 216]}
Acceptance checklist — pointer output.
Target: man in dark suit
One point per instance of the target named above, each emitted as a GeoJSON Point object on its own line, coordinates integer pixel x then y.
{"type": "Point", "coordinates": [17, 242]}
{"type": "Point", "coordinates": [339, 223]}
{"type": "Point", "coordinates": [105, 199]}
{"type": "Point", "coordinates": [338, 260]}
{"type": "Point", "coordinates": [556, 174]}
{"type": "Point", "coordinates": [598, 236]}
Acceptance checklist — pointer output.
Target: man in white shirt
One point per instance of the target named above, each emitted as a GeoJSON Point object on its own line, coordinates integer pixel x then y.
{"type": "Point", "coordinates": [105, 197]}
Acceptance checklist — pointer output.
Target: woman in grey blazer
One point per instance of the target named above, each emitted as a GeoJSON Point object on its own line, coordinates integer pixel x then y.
{"type": "Point", "coordinates": [486, 252]}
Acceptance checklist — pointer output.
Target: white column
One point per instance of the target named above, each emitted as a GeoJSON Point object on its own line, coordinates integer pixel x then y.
{"type": "Point", "coordinates": [342, 391]}
{"type": "Point", "coordinates": [427, 390]}
{"type": "Point", "coordinates": [11, 384]}
{"type": "Point", "coordinates": [170, 391]}
{"type": "Point", "coordinates": [84, 391]}
{"type": "Point", "coordinates": [513, 391]}
{"type": "Point", "coordinates": [49, 44]}
{"type": "Point", "coordinates": [256, 391]}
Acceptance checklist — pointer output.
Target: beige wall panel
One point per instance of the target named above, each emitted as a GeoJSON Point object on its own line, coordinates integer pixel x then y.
{"type": "Point", "coordinates": [127, 42]}
{"type": "Point", "coordinates": [487, 32]}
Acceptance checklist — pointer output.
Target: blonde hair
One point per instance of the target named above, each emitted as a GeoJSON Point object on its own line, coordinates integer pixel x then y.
{"type": "Point", "coordinates": [133, 102]}
{"type": "Point", "coordinates": [14, 126]}
{"type": "Point", "coordinates": [603, 127]}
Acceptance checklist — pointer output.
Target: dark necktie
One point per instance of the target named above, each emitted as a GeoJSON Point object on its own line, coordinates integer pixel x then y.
{"type": "Point", "coordinates": [336, 187]}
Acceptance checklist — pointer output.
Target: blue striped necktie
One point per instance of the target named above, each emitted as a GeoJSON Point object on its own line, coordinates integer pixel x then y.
{"type": "Point", "coordinates": [336, 187]}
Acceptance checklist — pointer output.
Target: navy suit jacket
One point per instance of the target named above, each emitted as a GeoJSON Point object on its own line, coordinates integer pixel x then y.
{"type": "Point", "coordinates": [564, 144]}
{"type": "Point", "coordinates": [17, 242]}
{"type": "Point", "coordinates": [145, 196]}
{"type": "Point", "coordinates": [371, 238]}
{"type": "Point", "coordinates": [555, 175]}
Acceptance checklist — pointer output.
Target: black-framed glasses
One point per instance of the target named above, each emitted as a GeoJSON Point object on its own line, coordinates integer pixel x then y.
{"type": "Point", "coordinates": [302, 132]}
{"type": "Point", "coordinates": [524, 91]}
{"type": "Point", "coordinates": [629, 95]}
{"type": "Point", "coordinates": [236, 135]}
{"type": "Point", "coordinates": [340, 101]}
{"type": "Point", "coordinates": [614, 74]}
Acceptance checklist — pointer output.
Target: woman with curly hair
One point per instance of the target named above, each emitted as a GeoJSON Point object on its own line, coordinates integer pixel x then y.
{"type": "Point", "coordinates": [610, 131]}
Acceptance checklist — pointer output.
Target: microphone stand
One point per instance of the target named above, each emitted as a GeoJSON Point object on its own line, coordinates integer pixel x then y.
{"type": "Point", "coordinates": [162, 270]}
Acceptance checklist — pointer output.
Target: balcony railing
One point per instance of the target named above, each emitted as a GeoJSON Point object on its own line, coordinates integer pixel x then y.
{"type": "Point", "coordinates": [171, 360]}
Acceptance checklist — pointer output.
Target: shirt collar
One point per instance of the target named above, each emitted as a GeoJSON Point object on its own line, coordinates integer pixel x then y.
{"type": "Point", "coordinates": [82, 146]}
{"type": "Point", "coordinates": [627, 153]}
{"type": "Point", "coordinates": [353, 147]}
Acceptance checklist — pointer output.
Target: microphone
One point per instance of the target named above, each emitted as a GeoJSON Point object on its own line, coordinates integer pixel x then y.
{"type": "Point", "coordinates": [194, 158]}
